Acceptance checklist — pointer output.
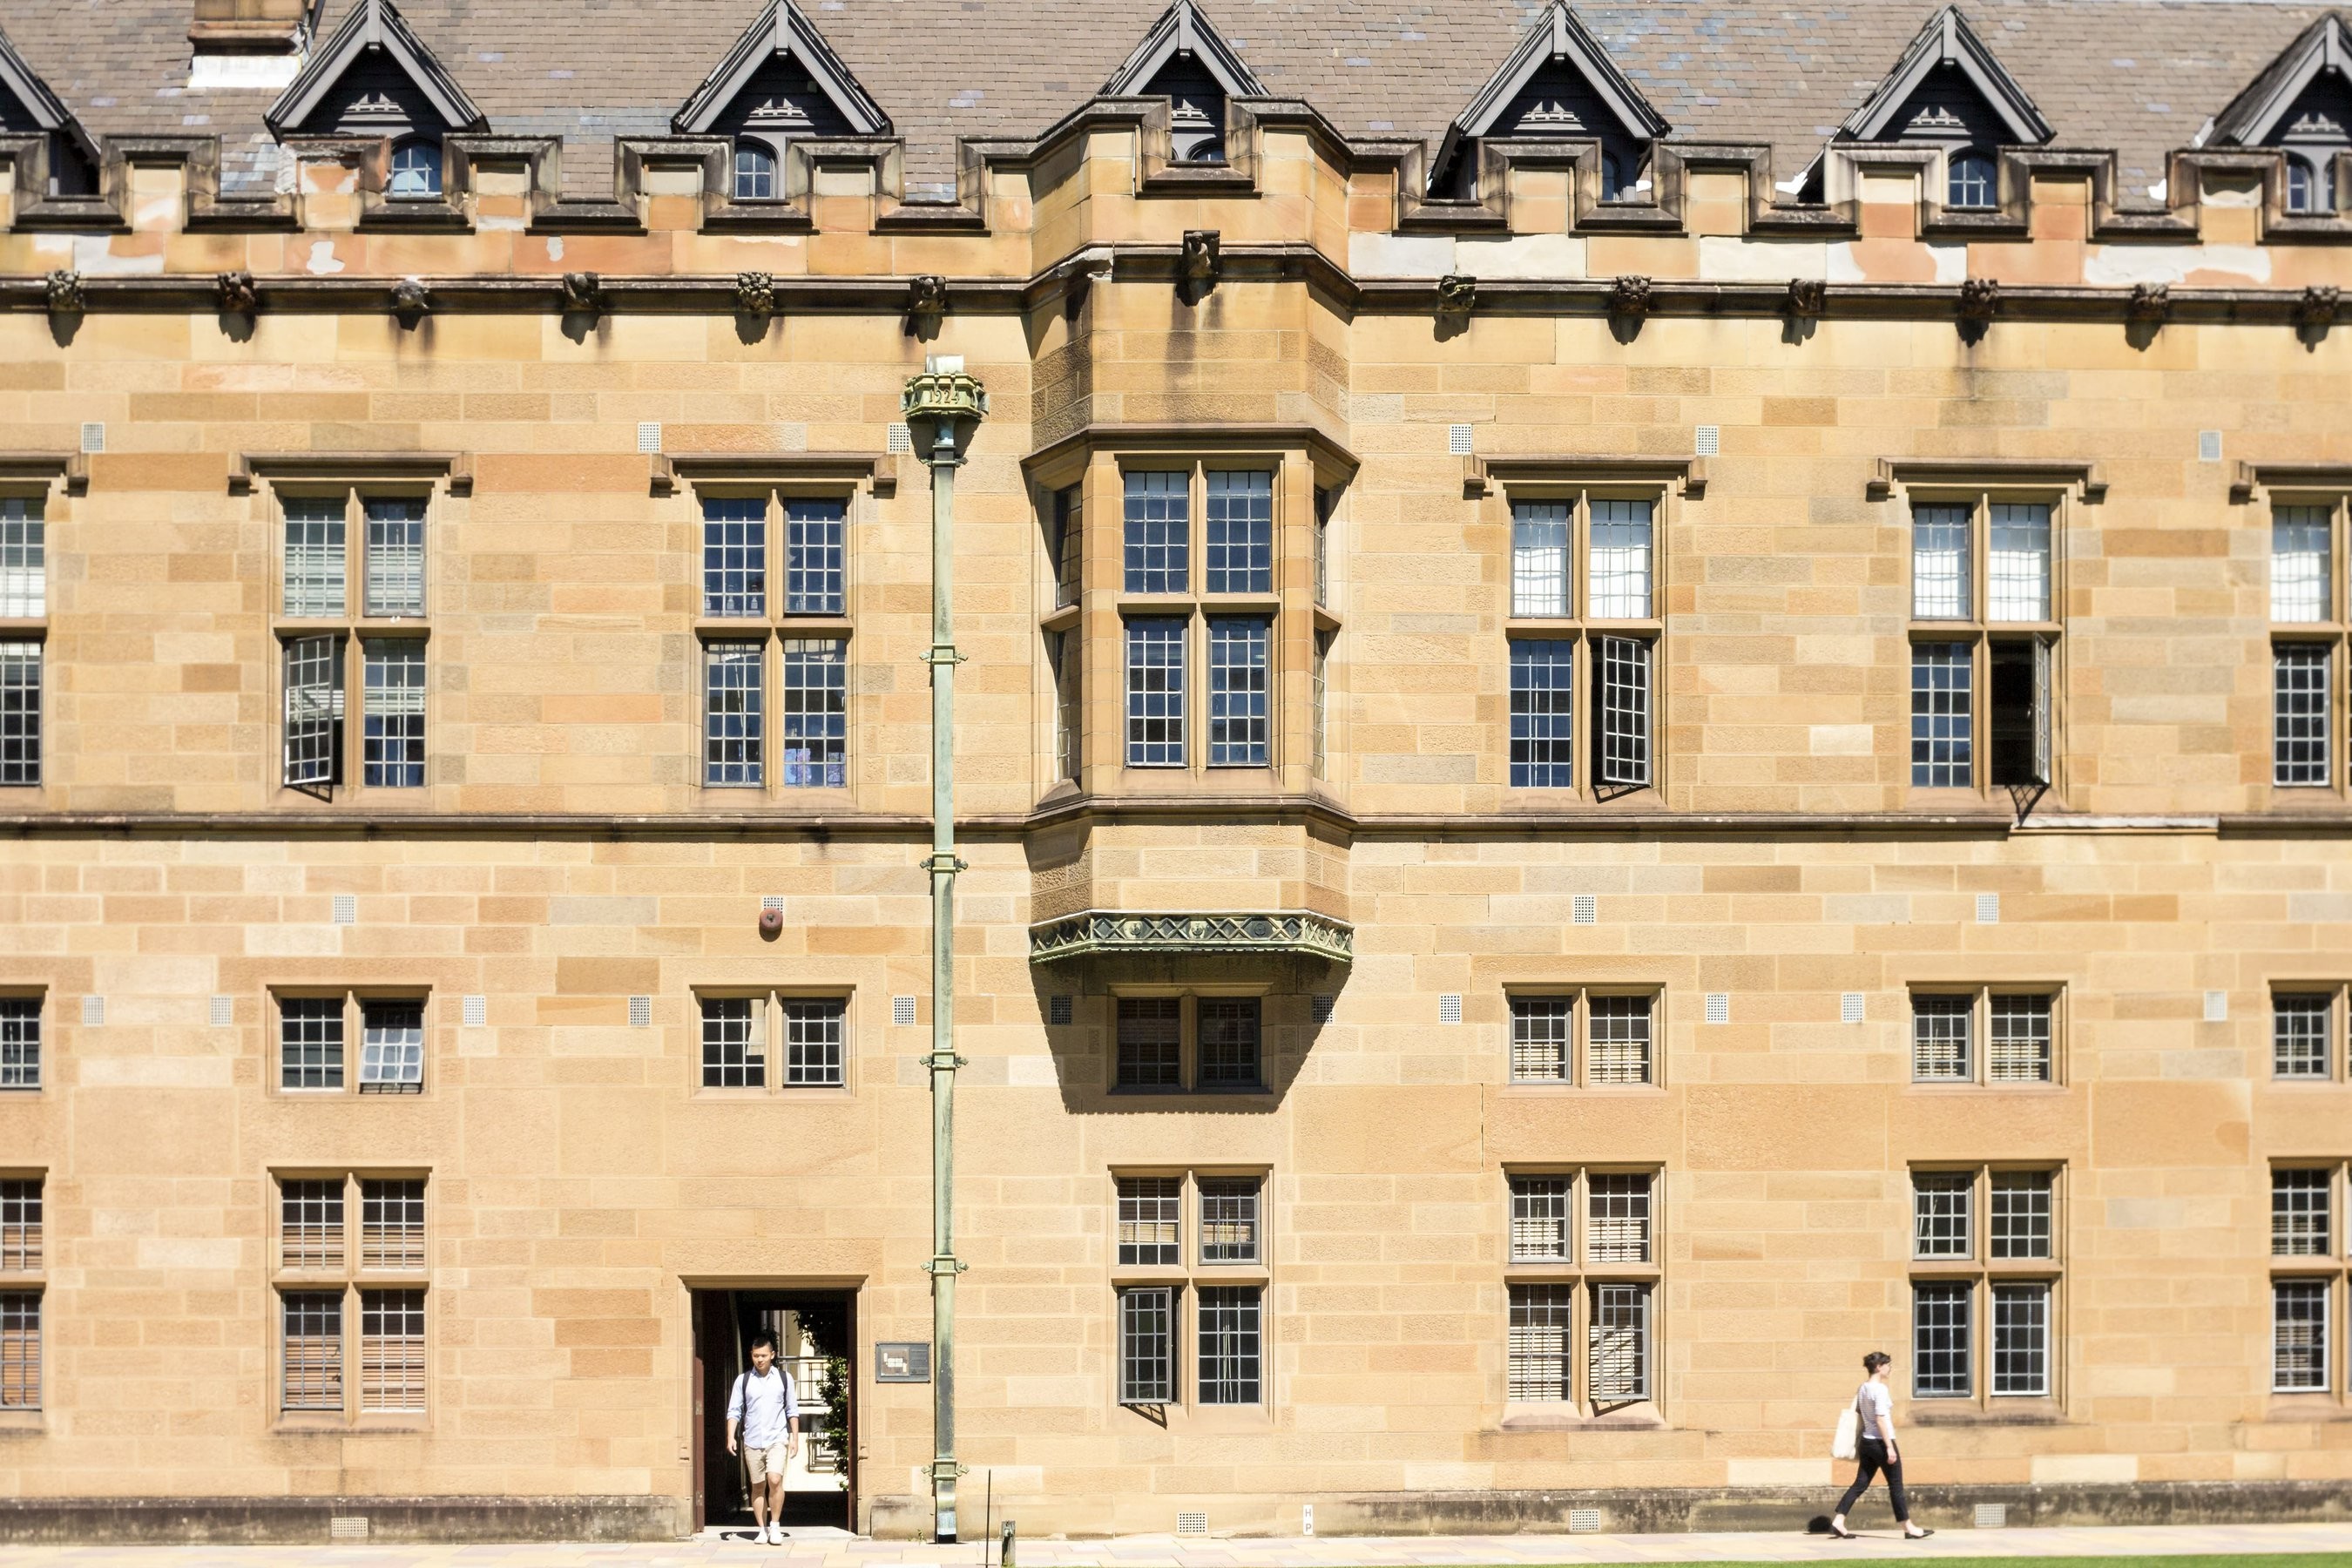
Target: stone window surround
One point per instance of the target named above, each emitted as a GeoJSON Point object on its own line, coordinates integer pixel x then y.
{"type": "Point", "coordinates": [352, 1276]}
{"type": "Point", "coordinates": [1981, 998]}
{"type": "Point", "coordinates": [1186, 1279]}
{"type": "Point", "coordinates": [1977, 629]}
{"type": "Point", "coordinates": [1579, 485]}
{"type": "Point", "coordinates": [2329, 632]}
{"type": "Point", "coordinates": [30, 1277]}
{"type": "Point", "coordinates": [768, 1024]}
{"type": "Point", "coordinates": [1188, 1087]}
{"type": "Point", "coordinates": [1981, 1272]}
{"type": "Point", "coordinates": [354, 1025]}
{"type": "Point", "coordinates": [2328, 1270]}
{"type": "Point", "coordinates": [1580, 1037]}
{"type": "Point", "coordinates": [41, 481]}
{"type": "Point", "coordinates": [1580, 1274]}
{"type": "Point", "coordinates": [2339, 1009]}
{"type": "Point", "coordinates": [1096, 460]}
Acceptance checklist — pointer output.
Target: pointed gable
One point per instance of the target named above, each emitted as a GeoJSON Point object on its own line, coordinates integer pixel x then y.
{"type": "Point", "coordinates": [374, 78]}
{"type": "Point", "coordinates": [781, 77]}
{"type": "Point", "coordinates": [1560, 81]}
{"type": "Point", "coordinates": [28, 108]}
{"type": "Point", "coordinates": [1948, 88]}
{"type": "Point", "coordinates": [1185, 59]}
{"type": "Point", "coordinates": [2305, 95]}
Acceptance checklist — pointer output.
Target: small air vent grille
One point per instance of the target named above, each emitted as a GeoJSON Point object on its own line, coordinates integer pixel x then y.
{"type": "Point", "coordinates": [1449, 1008]}
{"type": "Point", "coordinates": [1319, 1008]}
{"type": "Point", "coordinates": [1191, 1524]}
{"type": "Point", "coordinates": [346, 909]}
{"type": "Point", "coordinates": [1850, 1007]}
{"type": "Point", "coordinates": [1458, 440]}
{"type": "Point", "coordinates": [1584, 909]}
{"type": "Point", "coordinates": [93, 437]}
{"type": "Point", "coordinates": [477, 1012]}
{"type": "Point", "coordinates": [641, 1012]}
{"type": "Point", "coordinates": [1584, 1521]}
{"type": "Point", "coordinates": [648, 436]}
{"type": "Point", "coordinates": [1059, 1010]}
{"type": "Point", "coordinates": [1992, 1516]}
{"type": "Point", "coordinates": [898, 439]}
{"type": "Point", "coordinates": [2216, 1007]}
{"type": "Point", "coordinates": [93, 1012]}
{"type": "Point", "coordinates": [2209, 446]}
{"type": "Point", "coordinates": [773, 902]}
{"type": "Point", "coordinates": [1710, 440]}
{"type": "Point", "coordinates": [1718, 1006]}
{"type": "Point", "coordinates": [223, 1012]}
{"type": "Point", "coordinates": [347, 1527]}
{"type": "Point", "coordinates": [902, 1010]}
{"type": "Point", "coordinates": [1987, 908]}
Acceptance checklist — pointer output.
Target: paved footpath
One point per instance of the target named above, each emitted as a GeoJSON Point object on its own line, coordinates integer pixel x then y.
{"type": "Point", "coordinates": [831, 1548]}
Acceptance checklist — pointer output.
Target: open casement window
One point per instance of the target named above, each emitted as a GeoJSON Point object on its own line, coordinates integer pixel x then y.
{"type": "Point", "coordinates": [1190, 1266]}
{"type": "Point", "coordinates": [314, 713]}
{"type": "Point", "coordinates": [352, 598]}
{"type": "Point", "coordinates": [1984, 645]}
{"type": "Point", "coordinates": [1986, 1262]}
{"type": "Point", "coordinates": [1584, 638]}
{"type": "Point", "coordinates": [1581, 1279]}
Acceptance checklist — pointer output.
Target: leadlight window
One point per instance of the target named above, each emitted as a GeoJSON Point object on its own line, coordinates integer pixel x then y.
{"type": "Point", "coordinates": [24, 558]}
{"type": "Point", "coordinates": [1229, 1219]}
{"type": "Point", "coordinates": [312, 1365]}
{"type": "Point", "coordinates": [1942, 1360]}
{"type": "Point", "coordinates": [815, 557]}
{"type": "Point", "coordinates": [734, 1048]}
{"type": "Point", "coordinates": [20, 1043]}
{"type": "Point", "coordinates": [814, 1041]}
{"type": "Point", "coordinates": [1539, 559]}
{"type": "Point", "coordinates": [2311, 183]}
{"type": "Point", "coordinates": [1943, 720]}
{"type": "Point", "coordinates": [391, 1351]}
{"type": "Point", "coordinates": [2303, 709]}
{"type": "Point", "coordinates": [1231, 1346]}
{"type": "Point", "coordinates": [393, 743]}
{"type": "Point", "coordinates": [1150, 1220]}
{"type": "Point", "coordinates": [755, 173]}
{"type": "Point", "coordinates": [1619, 1345]}
{"type": "Point", "coordinates": [1155, 692]}
{"type": "Point", "coordinates": [734, 556]}
{"type": "Point", "coordinates": [416, 172]}
{"type": "Point", "coordinates": [1147, 1345]}
{"type": "Point", "coordinates": [2020, 1338]}
{"type": "Point", "coordinates": [1543, 712]}
{"type": "Point", "coordinates": [1969, 179]}
{"type": "Point", "coordinates": [1238, 692]}
{"type": "Point", "coordinates": [2300, 1336]}
{"type": "Point", "coordinates": [392, 1046]}
{"type": "Point", "coordinates": [315, 569]}
{"type": "Point", "coordinates": [395, 555]}
{"type": "Point", "coordinates": [1541, 1229]}
{"type": "Point", "coordinates": [20, 1349]}
{"type": "Point", "coordinates": [1069, 544]}
{"type": "Point", "coordinates": [1229, 1042]}
{"type": "Point", "coordinates": [1620, 560]}
{"type": "Point", "coordinates": [314, 712]}
{"type": "Point", "coordinates": [1151, 1043]}
{"type": "Point", "coordinates": [1318, 718]}
{"type": "Point", "coordinates": [392, 1223]}
{"type": "Point", "coordinates": [1943, 1206]}
{"type": "Point", "coordinates": [1238, 557]}
{"type": "Point", "coordinates": [20, 712]}
{"type": "Point", "coordinates": [734, 713]}
{"type": "Point", "coordinates": [1541, 1351]}
{"type": "Point", "coordinates": [2301, 1030]}
{"type": "Point", "coordinates": [812, 741]}
{"type": "Point", "coordinates": [310, 1042]}
{"type": "Point", "coordinates": [1158, 531]}
{"type": "Point", "coordinates": [2300, 565]}
{"type": "Point", "coordinates": [1621, 746]}
{"type": "Point", "coordinates": [2300, 1220]}
{"type": "Point", "coordinates": [20, 1226]}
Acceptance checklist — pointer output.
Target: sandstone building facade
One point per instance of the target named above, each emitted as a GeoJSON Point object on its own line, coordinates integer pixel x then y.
{"type": "Point", "coordinates": [1651, 700]}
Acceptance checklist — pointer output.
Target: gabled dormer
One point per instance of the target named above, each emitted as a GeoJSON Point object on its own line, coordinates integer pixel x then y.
{"type": "Point", "coordinates": [1186, 60]}
{"type": "Point", "coordinates": [780, 82]}
{"type": "Point", "coordinates": [1950, 93]}
{"type": "Point", "coordinates": [28, 108]}
{"type": "Point", "coordinates": [2302, 104]}
{"type": "Point", "coordinates": [1561, 83]}
{"type": "Point", "coordinates": [375, 78]}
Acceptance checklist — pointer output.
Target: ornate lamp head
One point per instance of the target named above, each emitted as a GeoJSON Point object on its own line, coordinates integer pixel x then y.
{"type": "Point", "coordinates": [943, 405]}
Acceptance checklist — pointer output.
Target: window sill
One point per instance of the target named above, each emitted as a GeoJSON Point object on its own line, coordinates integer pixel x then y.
{"type": "Point", "coordinates": [2306, 1408]}
{"type": "Point", "coordinates": [1642, 1416]}
{"type": "Point", "coordinates": [2009, 1412]}
{"type": "Point", "coordinates": [22, 1423]}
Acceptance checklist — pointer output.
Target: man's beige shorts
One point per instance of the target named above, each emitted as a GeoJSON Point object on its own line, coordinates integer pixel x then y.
{"type": "Point", "coordinates": [768, 1461]}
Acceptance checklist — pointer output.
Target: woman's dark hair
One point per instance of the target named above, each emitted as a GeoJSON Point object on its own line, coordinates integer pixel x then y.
{"type": "Point", "coordinates": [1876, 1360]}
{"type": "Point", "coordinates": [769, 1340]}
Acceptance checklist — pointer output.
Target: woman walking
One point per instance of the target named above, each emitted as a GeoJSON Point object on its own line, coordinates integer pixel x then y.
{"type": "Point", "coordinates": [1875, 1451]}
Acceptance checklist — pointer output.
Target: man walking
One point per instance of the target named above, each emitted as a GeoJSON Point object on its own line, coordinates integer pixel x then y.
{"type": "Point", "coordinates": [765, 1412]}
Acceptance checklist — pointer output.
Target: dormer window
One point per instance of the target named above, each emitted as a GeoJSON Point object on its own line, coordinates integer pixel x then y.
{"type": "Point", "coordinates": [1185, 61]}
{"type": "Point", "coordinates": [1969, 178]}
{"type": "Point", "coordinates": [755, 172]}
{"type": "Point", "coordinates": [2309, 191]}
{"type": "Point", "coordinates": [1558, 85]}
{"type": "Point", "coordinates": [416, 172]}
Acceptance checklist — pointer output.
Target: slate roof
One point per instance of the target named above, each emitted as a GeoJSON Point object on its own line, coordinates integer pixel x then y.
{"type": "Point", "coordinates": [2140, 76]}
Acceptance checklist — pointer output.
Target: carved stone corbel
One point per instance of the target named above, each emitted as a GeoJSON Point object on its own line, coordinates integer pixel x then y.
{"type": "Point", "coordinates": [755, 294]}
{"type": "Point", "coordinates": [1457, 296]}
{"type": "Point", "coordinates": [411, 300]}
{"type": "Point", "coordinates": [238, 294]}
{"type": "Point", "coordinates": [1198, 268]}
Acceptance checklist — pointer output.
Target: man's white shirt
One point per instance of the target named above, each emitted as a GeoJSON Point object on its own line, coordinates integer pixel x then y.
{"type": "Point", "coordinates": [767, 1406]}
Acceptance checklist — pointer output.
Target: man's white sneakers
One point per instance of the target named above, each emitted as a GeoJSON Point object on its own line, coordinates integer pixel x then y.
{"type": "Point", "coordinates": [775, 1535]}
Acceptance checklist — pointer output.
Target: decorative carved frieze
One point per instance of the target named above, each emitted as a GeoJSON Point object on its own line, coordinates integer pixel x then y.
{"type": "Point", "coordinates": [1103, 932]}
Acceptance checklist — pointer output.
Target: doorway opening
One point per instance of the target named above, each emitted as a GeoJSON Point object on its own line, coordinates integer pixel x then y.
{"type": "Point", "coordinates": [817, 1340]}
